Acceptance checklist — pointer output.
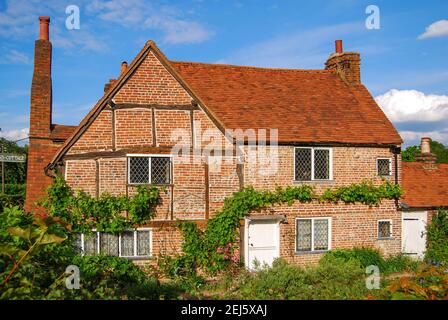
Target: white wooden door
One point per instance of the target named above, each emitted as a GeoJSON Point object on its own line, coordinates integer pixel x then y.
{"type": "Point", "coordinates": [262, 242]}
{"type": "Point", "coordinates": [414, 233]}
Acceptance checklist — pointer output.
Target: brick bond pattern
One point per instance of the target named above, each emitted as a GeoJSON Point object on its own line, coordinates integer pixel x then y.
{"type": "Point", "coordinates": [353, 225]}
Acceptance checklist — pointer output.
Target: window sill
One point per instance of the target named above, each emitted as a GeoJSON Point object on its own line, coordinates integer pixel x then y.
{"type": "Point", "coordinates": [300, 253]}
{"type": "Point", "coordinates": [313, 181]}
{"type": "Point", "coordinates": [139, 258]}
{"type": "Point", "coordinates": [389, 238]}
{"type": "Point", "coordinates": [150, 184]}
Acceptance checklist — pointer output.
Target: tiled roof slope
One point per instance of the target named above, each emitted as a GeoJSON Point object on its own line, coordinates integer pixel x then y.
{"type": "Point", "coordinates": [425, 188]}
{"type": "Point", "coordinates": [313, 106]}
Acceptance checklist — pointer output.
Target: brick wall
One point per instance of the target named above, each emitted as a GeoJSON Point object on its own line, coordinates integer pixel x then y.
{"type": "Point", "coordinates": [350, 165]}
{"type": "Point", "coordinates": [151, 83]}
{"type": "Point", "coordinates": [352, 226]}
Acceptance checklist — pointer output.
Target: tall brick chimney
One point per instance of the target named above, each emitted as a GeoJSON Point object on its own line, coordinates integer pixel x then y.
{"type": "Point", "coordinates": [425, 156]}
{"type": "Point", "coordinates": [41, 147]}
{"type": "Point", "coordinates": [346, 64]}
{"type": "Point", "coordinates": [41, 91]}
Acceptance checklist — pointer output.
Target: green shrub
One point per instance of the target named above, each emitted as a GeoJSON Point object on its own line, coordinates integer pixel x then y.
{"type": "Point", "coordinates": [437, 237]}
{"type": "Point", "coordinates": [7, 200]}
{"type": "Point", "coordinates": [15, 189]}
{"type": "Point", "coordinates": [368, 256]}
{"type": "Point", "coordinates": [335, 279]}
{"type": "Point", "coordinates": [364, 256]}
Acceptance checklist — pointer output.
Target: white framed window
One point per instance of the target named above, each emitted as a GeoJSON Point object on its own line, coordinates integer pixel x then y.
{"type": "Point", "coordinates": [149, 169]}
{"type": "Point", "coordinates": [384, 229]}
{"type": "Point", "coordinates": [313, 234]}
{"type": "Point", "coordinates": [384, 167]}
{"type": "Point", "coordinates": [313, 163]}
{"type": "Point", "coordinates": [135, 243]}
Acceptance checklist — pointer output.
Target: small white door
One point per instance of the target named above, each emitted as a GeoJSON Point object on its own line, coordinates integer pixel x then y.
{"type": "Point", "coordinates": [414, 233]}
{"type": "Point", "coordinates": [262, 242]}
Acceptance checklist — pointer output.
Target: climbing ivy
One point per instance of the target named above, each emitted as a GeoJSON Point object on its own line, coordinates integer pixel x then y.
{"type": "Point", "coordinates": [211, 249]}
{"type": "Point", "coordinates": [106, 213]}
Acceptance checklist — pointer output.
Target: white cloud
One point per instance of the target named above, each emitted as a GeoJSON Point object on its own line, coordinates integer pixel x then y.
{"type": "Point", "coordinates": [435, 30]}
{"type": "Point", "coordinates": [15, 57]}
{"type": "Point", "coordinates": [414, 137]}
{"type": "Point", "coordinates": [15, 134]}
{"type": "Point", "coordinates": [145, 15]}
{"type": "Point", "coordinates": [412, 105]}
{"type": "Point", "coordinates": [179, 31]}
{"type": "Point", "coordinates": [416, 114]}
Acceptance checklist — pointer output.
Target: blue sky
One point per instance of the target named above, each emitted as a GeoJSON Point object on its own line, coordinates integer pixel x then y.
{"type": "Point", "coordinates": [404, 62]}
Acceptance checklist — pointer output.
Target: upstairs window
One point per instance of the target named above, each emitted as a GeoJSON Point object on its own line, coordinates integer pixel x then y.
{"type": "Point", "coordinates": [384, 167]}
{"type": "Point", "coordinates": [312, 164]}
{"type": "Point", "coordinates": [149, 170]}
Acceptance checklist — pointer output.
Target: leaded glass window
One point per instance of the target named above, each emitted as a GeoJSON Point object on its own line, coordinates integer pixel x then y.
{"type": "Point", "coordinates": [312, 234]}
{"type": "Point", "coordinates": [384, 167]}
{"type": "Point", "coordinates": [312, 164]}
{"type": "Point", "coordinates": [109, 244]}
{"type": "Point", "coordinates": [129, 244]}
{"type": "Point", "coordinates": [384, 229]}
{"type": "Point", "coordinates": [91, 244]}
{"type": "Point", "coordinates": [143, 243]}
{"type": "Point", "coordinates": [145, 170]}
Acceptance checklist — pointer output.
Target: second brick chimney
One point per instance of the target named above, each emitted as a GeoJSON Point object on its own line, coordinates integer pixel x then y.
{"type": "Point", "coordinates": [425, 156]}
{"type": "Point", "coordinates": [346, 64]}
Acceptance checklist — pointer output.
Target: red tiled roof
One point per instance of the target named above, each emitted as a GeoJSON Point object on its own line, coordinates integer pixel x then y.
{"type": "Point", "coordinates": [61, 132]}
{"type": "Point", "coordinates": [304, 105]}
{"type": "Point", "coordinates": [425, 187]}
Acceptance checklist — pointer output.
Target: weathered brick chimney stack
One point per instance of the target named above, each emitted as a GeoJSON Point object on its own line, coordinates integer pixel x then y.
{"type": "Point", "coordinates": [425, 156]}
{"type": "Point", "coordinates": [40, 144]}
{"type": "Point", "coordinates": [346, 64]}
{"type": "Point", "coordinates": [41, 91]}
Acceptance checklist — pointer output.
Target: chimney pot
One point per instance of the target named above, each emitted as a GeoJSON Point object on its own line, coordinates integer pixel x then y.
{"type": "Point", "coordinates": [338, 45]}
{"type": "Point", "coordinates": [425, 145]}
{"type": "Point", "coordinates": [124, 67]}
{"type": "Point", "coordinates": [44, 28]}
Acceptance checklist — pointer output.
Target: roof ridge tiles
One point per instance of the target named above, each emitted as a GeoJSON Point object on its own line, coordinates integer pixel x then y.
{"type": "Point", "coordinates": [250, 67]}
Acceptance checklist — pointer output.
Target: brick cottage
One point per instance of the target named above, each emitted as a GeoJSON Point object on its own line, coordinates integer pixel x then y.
{"type": "Point", "coordinates": [319, 127]}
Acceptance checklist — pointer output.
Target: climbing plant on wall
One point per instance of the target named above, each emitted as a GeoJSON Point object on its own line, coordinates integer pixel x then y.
{"type": "Point", "coordinates": [106, 213]}
{"type": "Point", "coordinates": [213, 248]}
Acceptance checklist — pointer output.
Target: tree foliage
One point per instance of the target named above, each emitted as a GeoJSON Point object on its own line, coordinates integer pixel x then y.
{"type": "Point", "coordinates": [15, 173]}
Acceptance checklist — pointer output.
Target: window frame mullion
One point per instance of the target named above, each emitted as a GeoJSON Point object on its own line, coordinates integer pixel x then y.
{"type": "Point", "coordinates": [312, 164]}
{"type": "Point", "coordinates": [135, 243]}
{"type": "Point", "coordinates": [149, 170]}
{"type": "Point", "coordinates": [312, 234]}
